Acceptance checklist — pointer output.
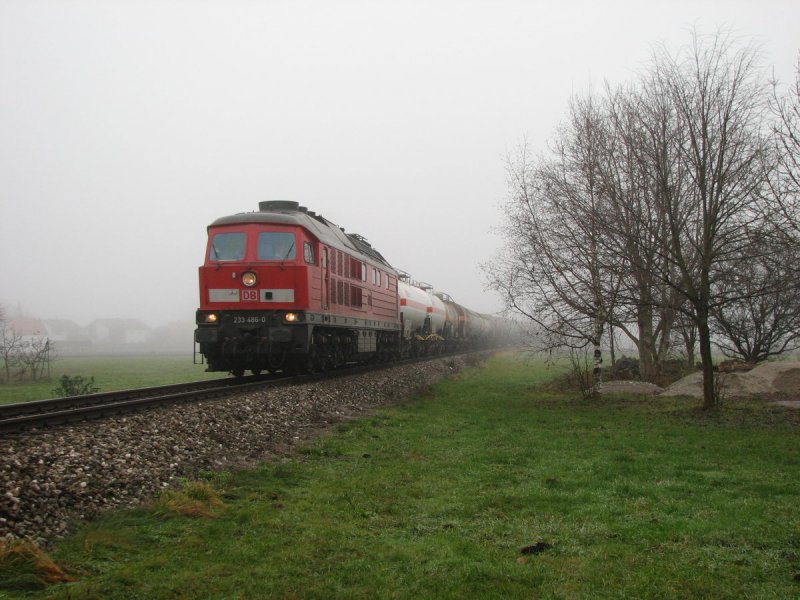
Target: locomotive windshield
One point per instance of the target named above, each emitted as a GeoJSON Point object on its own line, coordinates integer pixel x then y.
{"type": "Point", "coordinates": [227, 246]}
{"type": "Point", "coordinates": [276, 245]}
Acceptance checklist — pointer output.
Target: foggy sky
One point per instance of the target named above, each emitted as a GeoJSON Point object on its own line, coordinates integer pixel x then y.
{"type": "Point", "coordinates": [127, 127]}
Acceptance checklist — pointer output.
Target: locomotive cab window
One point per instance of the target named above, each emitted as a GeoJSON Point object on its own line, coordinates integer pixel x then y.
{"type": "Point", "coordinates": [308, 253]}
{"type": "Point", "coordinates": [227, 246]}
{"type": "Point", "coordinates": [276, 245]}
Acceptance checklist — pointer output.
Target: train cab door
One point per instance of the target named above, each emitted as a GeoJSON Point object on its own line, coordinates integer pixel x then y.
{"type": "Point", "coordinates": [326, 280]}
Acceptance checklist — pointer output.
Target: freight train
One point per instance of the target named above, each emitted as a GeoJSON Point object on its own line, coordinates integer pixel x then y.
{"type": "Point", "coordinates": [284, 289]}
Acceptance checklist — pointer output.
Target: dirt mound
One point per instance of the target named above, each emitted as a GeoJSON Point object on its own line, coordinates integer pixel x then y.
{"type": "Point", "coordinates": [785, 376]}
{"type": "Point", "coordinates": [767, 378]}
{"type": "Point", "coordinates": [629, 387]}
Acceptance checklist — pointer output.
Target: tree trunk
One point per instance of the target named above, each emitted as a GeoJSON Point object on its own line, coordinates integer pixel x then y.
{"type": "Point", "coordinates": [612, 351]}
{"type": "Point", "coordinates": [647, 353]}
{"type": "Point", "coordinates": [690, 360]}
{"type": "Point", "coordinates": [704, 335]}
{"type": "Point", "coordinates": [647, 370]}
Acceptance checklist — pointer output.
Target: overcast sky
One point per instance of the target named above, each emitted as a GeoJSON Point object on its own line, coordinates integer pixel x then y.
{"type": "Point", "coordinates": [127, 127]}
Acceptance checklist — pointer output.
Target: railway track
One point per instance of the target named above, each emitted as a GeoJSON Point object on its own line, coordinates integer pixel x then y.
{"type": "Point", "coordinates": [40, 414]}
{"type": "Point", "coordinates": [59, 411]}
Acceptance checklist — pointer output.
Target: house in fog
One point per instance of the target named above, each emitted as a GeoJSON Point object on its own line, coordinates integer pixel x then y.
{"type": "Point", "coordinates": [120, 334]}
{"type": "Point", "coordinates": [68, 336]}
{"type": "Point", "coordinates": [29, 329]}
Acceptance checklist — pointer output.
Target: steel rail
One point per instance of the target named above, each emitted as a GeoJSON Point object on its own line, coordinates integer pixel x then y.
{"type": "Point", "coordinates": [115, 404]}
{"type": "Point", "coordinates": [58, 411]}
{"type": "Point", "coordinates": [59, 404]}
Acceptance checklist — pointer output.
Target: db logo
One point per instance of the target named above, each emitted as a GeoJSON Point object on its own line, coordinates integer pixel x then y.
{"type": "Point", "coordinates": [250, 295]}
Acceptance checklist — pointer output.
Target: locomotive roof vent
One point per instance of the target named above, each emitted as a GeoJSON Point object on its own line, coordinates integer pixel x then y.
{"type": "Point", "coordinates": [360, 238]}
{"type": "Point", "coordinates": [274, 205]}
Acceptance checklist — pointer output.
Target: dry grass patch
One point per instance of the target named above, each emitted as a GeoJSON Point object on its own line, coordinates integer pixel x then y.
{"type": "Point", "coordinates": [25, 566]}
{"type": "Point", "coordinates": [196, 499]}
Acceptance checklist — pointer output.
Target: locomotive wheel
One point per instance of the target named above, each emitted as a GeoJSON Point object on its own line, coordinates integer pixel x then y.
{"type": "Point", "coordinates": [291, 369]}
{"type": "Point", "coordinates": [238, 372]}
{"type": "Point", "coordinates": [320, 361]}
{"type": "Point", "coordinates": [312, 360]}
{"type": "Point", "coordinates": [338, 357]}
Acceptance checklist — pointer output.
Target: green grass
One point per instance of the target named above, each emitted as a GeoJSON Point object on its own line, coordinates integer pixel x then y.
{"type": "Point", "coordinates": [110, 373]}
{"type": "Point", "coordinates": [436, 498]}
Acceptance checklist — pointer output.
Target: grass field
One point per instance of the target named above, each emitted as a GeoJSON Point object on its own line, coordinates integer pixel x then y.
{"type": "Point", "coordinates": [110, 373]}
{"type": "Point", "coordinates": [620, 498]}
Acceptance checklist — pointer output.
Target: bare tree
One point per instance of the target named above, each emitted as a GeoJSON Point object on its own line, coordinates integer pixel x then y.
{"type": "Point", "coordinates": [783, 168]}
{"type": "Point", "coordinates": [764, 320]}
{"type": "Point", "coordinates": [34, 357]}
{"type": "Point", "coordinates": [636, 166]}
{"type": "Point", "coordinates": [31, 357]}
{"type": "Point", "coordinates": [10, 348]}
{"type": "Point", "coordinates": [685, 334]}
{"type": "Point", "coordinates": [719, 102]}
{"type": "Point", "coordinates": [551, 271]}
{"type": "Point", "coordinates": [656, 211]}
{"type": "Point", "coordinates": [582, 251]}
{"type": "Point", "coordinates": [785, 184]}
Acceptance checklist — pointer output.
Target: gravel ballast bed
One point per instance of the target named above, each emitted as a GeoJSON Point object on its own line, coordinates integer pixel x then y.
{"type": "Point", "coordinates": [52, 480]}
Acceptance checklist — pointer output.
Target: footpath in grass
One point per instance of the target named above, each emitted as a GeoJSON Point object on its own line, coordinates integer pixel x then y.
{"type": "Point", "coordinates": [437, 498]}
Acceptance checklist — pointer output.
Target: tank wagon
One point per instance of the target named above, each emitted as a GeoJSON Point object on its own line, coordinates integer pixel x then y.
{"type": "Point", "coordinates": [283, 288]}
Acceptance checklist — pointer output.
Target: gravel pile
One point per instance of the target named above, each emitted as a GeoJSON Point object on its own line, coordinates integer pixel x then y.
{"type": "Point", "coordinates": [779, 377]}
{"type": "Point", "coordinates": [52, 480]}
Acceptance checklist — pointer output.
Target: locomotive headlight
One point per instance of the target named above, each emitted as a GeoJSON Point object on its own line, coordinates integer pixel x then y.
{"type": "Point", "coordinates": [293, 317]}
{"type": "Point", "coordinates": [249, 279]}
{"type": "Point", "coordinates": [211, 318]}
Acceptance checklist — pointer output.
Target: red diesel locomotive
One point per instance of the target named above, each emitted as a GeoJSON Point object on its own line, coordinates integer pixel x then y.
{"type": "Point", "coordinates": [285, 289]}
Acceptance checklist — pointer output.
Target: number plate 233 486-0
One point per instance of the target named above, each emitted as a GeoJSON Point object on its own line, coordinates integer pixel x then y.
{"type": "Point", "coordinates": [250, 319]}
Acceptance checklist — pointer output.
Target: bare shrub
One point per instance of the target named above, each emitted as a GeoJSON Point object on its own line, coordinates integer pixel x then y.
{"type": "Point", "coordinates": [579, 377]}
{"type": "Point", "coordinates": [75, 386]}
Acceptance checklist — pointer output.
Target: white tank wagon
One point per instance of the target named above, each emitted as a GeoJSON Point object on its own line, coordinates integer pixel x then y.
{"type": "Point", "coordinates": [453, 326]}
{"type": "Point", "coordinates": [433, 321]}
{"type": "Point", "coordinates": [414, 304]}
{"type": "Point", "coordinates": [467, 327]}
{"type": "Point", "coordinates": [422, 313]}
{"type": "Point", "coordinates": [478, 327]}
